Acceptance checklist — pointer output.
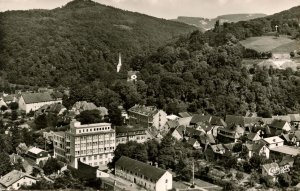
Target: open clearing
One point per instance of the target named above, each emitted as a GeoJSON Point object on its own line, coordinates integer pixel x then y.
{"type": "Point", "coordinates": [273, 44]}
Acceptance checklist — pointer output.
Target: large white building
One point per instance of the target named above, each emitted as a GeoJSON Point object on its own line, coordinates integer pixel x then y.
{"type": "Point", "coordinates": [92, 144]}
{"type": "Point", "coordinates": [144, 175]}
{"type": "Point", "coordinates": [33, 101]}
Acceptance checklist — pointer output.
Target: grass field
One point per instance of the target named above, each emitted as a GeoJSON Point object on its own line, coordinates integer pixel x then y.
{"type": "Point", "coordinates": [273, 44]}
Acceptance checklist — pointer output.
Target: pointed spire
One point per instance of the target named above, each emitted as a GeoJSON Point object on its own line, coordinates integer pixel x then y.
{"type": "Point", "coordinates": [120, 63]}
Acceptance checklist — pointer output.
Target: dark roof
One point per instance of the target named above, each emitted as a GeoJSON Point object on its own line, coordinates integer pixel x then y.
{"type": "Point", "coordinates": [135, 166]}
{"type": "Point", "coordinates": [251, 136]}
{"type": "Point", "coordinates": [278, 124]}
{"type": "Point", "coordinates": [233, 119]}
{"type": "Point", "coordinates": [207, 138]}
{"type": "Point", "coordinates": [184, 114]}
{"type": "Point", "coordinates": [217, 121]}
{"type": "Point", "coordinates": [37, 97]}
{"type": "Point", "coordinates": [192, 141]}
{"type": "Point", "coordinates": [129, 130]}
{"type": "Point", "coordinates": [200, 118]}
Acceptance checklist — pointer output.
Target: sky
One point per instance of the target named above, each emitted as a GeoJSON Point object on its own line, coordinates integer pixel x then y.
{"type": "Point", "coordinates": [169, 9]}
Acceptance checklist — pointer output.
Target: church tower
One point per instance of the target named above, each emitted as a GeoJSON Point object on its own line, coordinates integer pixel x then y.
{"type": "Point", "coordinates": [119, 64]}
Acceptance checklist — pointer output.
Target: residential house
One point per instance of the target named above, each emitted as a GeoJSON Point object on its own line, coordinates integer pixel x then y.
{"type": "Point", "coordinates": [33, 101]}
{"type": "Point", "coordinates": [273, 142]}
{"type": "Point", "coordinates": [206, 139]}
{"type": "Point", "coordinates": [289, 139]}
{"type": "Point", "coordinates": [169, 125]}
{"type": "Point", "coordinates": [200, 119]}
{"type": "Point", "coordinates": [144, 175]}
{"type": "Point", "coordinates": [295, 119]}
{"type": "Point", "coordinates": [278, 127]}
{"type": "Point", "coordinates": [194, 143]}
{"type": "Point", "coordinates": [125, 134]}
{"type": "Point", "coordinates": [182, 132]}
{"type": "Point", "coordinates": [2, 102]}
{"type": "Point", "coordinates": [258, 148]}
{"type": "Point", "coordinates": [184, 121]}
{"type": "Point", "coordinates": [253, 137]}
{"type": "Point", "coordinates": [147, 116]}
{"type": "Point", "coordinates": [10, 98]}
{"type": "Point", "coordinates": [270, 170]}
{"type": "Point", "coordinates": [56, 108]}
{"type": "Point", "coordinates": [214, 152]}
{"type": "Point", "coordinates": [242, 121]}
{"type": "Point", "coordinates": [38, 155]}
{"type": "Point", "coordinates": [230, 134]}
{"type": "Point", "coordinates": [15, 179]}
{"type": "Point", "coordinates": [216, 123]}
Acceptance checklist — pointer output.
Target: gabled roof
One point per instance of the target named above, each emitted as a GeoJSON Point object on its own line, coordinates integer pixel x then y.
{"type": "Point", "coordinates": [287, 150]}
{"type": "Point", "coordinates": [287, 159]}
{"type": "Point", "coordinates": [233, 119]}
{"type": "Point", "coordinates": [189, 132]}
{"type": "Point", "coordinates": [172, 124]}
{"type": "Point", "coordinates": [200, 118]}
{"type": "Point", "coordinates": [251, 136]}
{"type": "Point", "coordinates": [207, 138]}
{"type": "Point", "coordinates": [12, 177]}
{"type": "Point", "coordinates": [272, 140]}
{"type": "Point", "coordinates": [184, 121]}
{"type": "Point", "coordinates": [192, 141]}
{"type": "Point", "coordinates": [278, 124]}
{"type": "Point", "coordinates": [37, 97]}
{"type": "Point", "coordinates": [294, 117]}
{"type": "Point", "coordinates": [229, 146]}
{"type": "Point", "coordinates": [184, 114]}
{"type": "Point", "coordinates": [148, 171]}
{"type": "Point", "coordinates": [217, 121]}
{"type": "Point", "coordinates": [256, 147]}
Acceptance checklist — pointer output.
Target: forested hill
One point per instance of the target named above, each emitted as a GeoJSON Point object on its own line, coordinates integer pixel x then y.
{"type": "Point", "coordinates": [206, 24]}
{"type": "Point", "coordinates": [288, 23]}
{"type": "Point", "coordinates": [77, 42]}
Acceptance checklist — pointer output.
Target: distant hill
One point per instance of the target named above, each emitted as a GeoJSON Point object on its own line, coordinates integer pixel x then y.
{"type": "Point", "coordinates": [207, 24]}
{"type": "Point", "coordinates": [77, 42]}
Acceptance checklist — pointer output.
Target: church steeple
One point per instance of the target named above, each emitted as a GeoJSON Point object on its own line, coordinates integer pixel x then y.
{"type": "Point", "coordinates": [120, 63]}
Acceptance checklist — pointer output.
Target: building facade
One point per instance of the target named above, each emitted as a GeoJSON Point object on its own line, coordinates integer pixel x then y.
{"type": "Point", "coordinates": [92, 144]}
{"type": "Point", "coordinates": [33, 101]}
{"type": "Point", "coordinates": [144, 175]}
{"type": "Point", "coordinates": [147, 116]}
{"type": "Point", "coordinates": [126, 134]}
{"type": "Point", "coordinates": [15, 179]}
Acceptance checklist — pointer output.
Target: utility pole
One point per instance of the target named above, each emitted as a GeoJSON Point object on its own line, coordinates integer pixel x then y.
{"type": "Point", "coordinates": [193, 173]}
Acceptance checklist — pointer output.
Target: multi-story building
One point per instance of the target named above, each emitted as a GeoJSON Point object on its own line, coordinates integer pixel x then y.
{"type": "Point", "coordinates": [59, 145]}
{"type": "Point", "coordinates": [129, 133]}
{"type": "Point", "coordinates": [147, 116]}
{"type": "Point", "coordinates": [144, 175]}
{"type": "Point", "coordinates": [92, 144]}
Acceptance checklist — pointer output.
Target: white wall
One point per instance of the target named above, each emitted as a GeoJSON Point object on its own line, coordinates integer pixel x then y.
{"type": "Point", "coordinates": [165, 182]}
{"type": "Point", "coordinates": [22, 181]}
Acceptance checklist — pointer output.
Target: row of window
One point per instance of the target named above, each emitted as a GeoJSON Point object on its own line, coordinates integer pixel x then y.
{"type": "Point", "coordinates": [95, 143]}
{"type": "Point", "coordinates": [95, 137]}
{"type": "Point", "coordinates": [93, 151]}
{"type": "Point", "coordinates": [94, 129]}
